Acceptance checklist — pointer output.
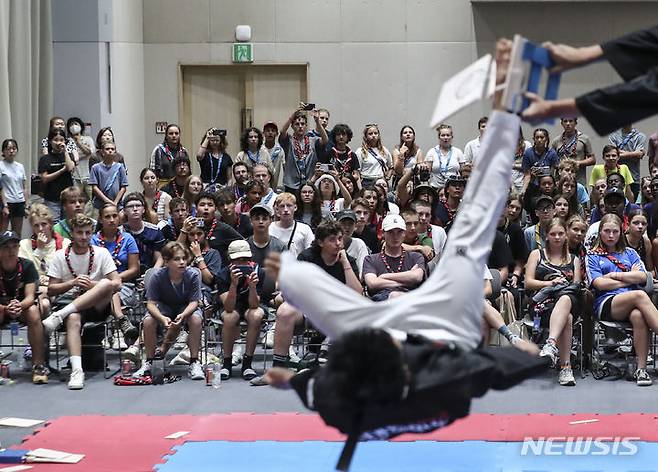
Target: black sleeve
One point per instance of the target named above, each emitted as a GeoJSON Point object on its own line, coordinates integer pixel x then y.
{"type": "Point", "coordinates": [501, 255]}
{"type": "Point", "coordinates": [610, 108]}
{"type": "Point", "coordinates": [43, 164]}
{"type": "Point", "coordinates": [30, 272]}
{"type": "Point", "coordinates": [299, 383]}
{"type": "Point", "coordinates": [634, 54]}
{"type": "Point", "coordinates": [517, 243]}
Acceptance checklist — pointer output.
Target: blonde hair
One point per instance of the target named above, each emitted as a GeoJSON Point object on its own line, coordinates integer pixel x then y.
{"type": "Point", "coordinates": [39, 210]}
{"type": "Point", "coordinates": [364, 144]}
{"type": "Point", "coordinates": [285, 197]}
{"type": "Point", "coordinates": [621, 243]}
{"type": "Point", "coordinates": [81, 220]}
{"type": "Point", "coordinates": [565, 246]}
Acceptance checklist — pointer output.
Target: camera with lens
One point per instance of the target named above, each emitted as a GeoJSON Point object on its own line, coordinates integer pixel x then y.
{"type": "Point", "coordinates": [422, 174]}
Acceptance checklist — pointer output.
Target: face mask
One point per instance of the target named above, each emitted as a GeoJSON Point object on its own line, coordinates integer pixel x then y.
{"type": "Point", "coordinates": [75, 129]}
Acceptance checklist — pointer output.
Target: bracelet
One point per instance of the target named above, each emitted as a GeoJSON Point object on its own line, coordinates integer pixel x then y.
{"type": "Point", "coordinates": [349, 267]}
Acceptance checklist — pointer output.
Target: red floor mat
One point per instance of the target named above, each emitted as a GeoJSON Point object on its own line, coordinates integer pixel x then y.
{"type": "Point", "coordinates": [137, 442]}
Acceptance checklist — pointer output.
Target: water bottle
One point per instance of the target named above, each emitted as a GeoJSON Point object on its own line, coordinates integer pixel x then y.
{"type": "Point", "coordinates": [216, 376]}
{"type": "Point", "coordinates": [20, 358]}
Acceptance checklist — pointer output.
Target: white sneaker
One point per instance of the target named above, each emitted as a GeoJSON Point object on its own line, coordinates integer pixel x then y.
{"type": "Point", "coordinates": [144, 370]}
{"type": "Point", "coordinates": [566, 378]}
{"type": "Point", "coordinates": [294, 358]}
{"type": "Point", "coordinates": [77, 380]}
{"type": "Point", "coordinates": [195, 372]}
{"type": "Point", "coordinates": [269, 337]}
{"type": "Point", "coordinates": [133, 354]}
{"type": "Point", "coordinates": [549, 350]}
{"type": "Point", "coordinates": [51, 323]}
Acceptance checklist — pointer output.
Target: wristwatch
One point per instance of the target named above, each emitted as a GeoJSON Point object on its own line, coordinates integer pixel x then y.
{"type": "Point", "coordinates": [198, 260]}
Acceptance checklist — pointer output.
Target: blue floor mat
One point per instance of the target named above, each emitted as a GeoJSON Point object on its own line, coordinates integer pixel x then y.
{"type": "Point", "coordinates": [427, 456]}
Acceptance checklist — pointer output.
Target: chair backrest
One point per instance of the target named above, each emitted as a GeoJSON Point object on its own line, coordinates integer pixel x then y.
{"type": "Point", "coordinates": [496, 284]}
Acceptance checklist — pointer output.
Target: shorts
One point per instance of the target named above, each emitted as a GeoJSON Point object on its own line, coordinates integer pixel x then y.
{"type": "Point", "coordinates": [242, 311]}
{"type": "Point", "coordinates": [16, 210]}
{"type": "Point", "coordinates": [128, 294]}
{"type": "Point", "coordinates": [88, 315]}
{"type": "Point", "coordinates": [605, 312]}
{"type": "Point", "coordinates": [171, 314]}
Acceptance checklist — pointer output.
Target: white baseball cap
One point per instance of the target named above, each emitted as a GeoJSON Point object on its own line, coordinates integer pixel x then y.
{"type": "Point", "coordinates": [392, 221]}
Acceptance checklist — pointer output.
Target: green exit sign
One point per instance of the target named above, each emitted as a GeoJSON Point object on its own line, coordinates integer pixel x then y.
{"type": "Point", "coordinates": [243, 52]}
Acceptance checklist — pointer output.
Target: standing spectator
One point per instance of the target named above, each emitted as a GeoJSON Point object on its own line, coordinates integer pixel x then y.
{"type": "Point", "coordinates": [182, 171]}
{"type": "Point", "coordinates": [240, 290]}
{"type": "Point", "coordinates": [173, 294]}
{"type": "Point", "coordinates": [105, 134]}
{"type": "Point", "coordinates": [538, 160]}
{"type": "Point", "coordinates": [57, 122]}
{"type": "Point", "coordinates": [86, 150]}
{"type": "Point", "coordinates": [56, 169]}
{"type": "Point", "coordinates": [445, 159]}
{"type": "Point", "coordinates": [340, 156]}
{"type": "Point", "coordinates": [14, 187]}
{"type": "Point", "coordinates": [375, 161]}
{"type": "Point", "coordinates": [163, 155]}
{"type": "Point", "coordinates": [108, 179]}
{"type": "Point", "coordinates": [632, 146]}
{"type": "Point", "coordinates": [652, 152]}
{"type": "Point", "coordinates": [72, 202]}
{"type": "Point", "coordinates": [301, 149]}
{"type": "Point", "coordinates": [472, 148]}
{"type": "Point", "coordinates": [252, 151]}
{"type": "Point", "coordinates": [277, 154]}
{"type": "Point", "coordinates": [576, 145]}
{"type": "Point", "coordinates": [156, 200]}
{"type": "Point", "coordinates": [517, 169]}
{"type": "Point", "coordinates": [323, 117]}
{"type": "Point", "coordinates": [407, 153]}
{"type": "Point", "coordinates": [295, 235]}
{"type": "Point", "coordinates": [213, 159]}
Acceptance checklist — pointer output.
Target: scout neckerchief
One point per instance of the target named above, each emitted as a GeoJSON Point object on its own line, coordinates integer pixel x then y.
{"type": "Point", "coordinates": [628, 137]}
{"type": "Point", "coordinates": [211, 231]}
{"type": "Point", "coordinates": [569, 149]}
{"type": "Point", "coordinates": [117, 248]}
{"type": "Point", "coordinates": [301, 153]}
{"type": "Point", "coordinates": [599, 251]}
{"type": "Point", "coordinates": [254, 158]}
{"type": "Point", "coordinates": [342, 165]}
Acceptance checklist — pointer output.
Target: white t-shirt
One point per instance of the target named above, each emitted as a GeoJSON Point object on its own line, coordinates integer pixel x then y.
{"type": "Point", "coordinates": [371, 167]}
{"type": "Point", "coordinates": [358, 250]}
{"type": "Point", "coordinates": [12, 176]}
{"type": "Point", "coordinates": [471, 150]}
{"type": "Point", "coordinates": [301, 240]}
{"type": "Point", "coordinates": [329, 210]}
{"type": "Point", "coordinates": [103, 265]}
{"type": "Point", "coordinates": [439, 239]}
{"type": "Point", "coordinates": [444, 165]}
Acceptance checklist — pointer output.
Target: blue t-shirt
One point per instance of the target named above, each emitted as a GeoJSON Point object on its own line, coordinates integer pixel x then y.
{"type": "Point", "coordinates": [149, 240]}
{"type": "Point", "coordinates": [599, 265]}
{"type": "Point", "coordinates": [172, 299]}
{"type": "Point", "coordinates": [532, 159]}
{"type": "Point", "coordinates": [583, 196]}
{"type": "Point", "coordinates": [109, 179]}
{"type": "Point", "coordinates": [128, 245]}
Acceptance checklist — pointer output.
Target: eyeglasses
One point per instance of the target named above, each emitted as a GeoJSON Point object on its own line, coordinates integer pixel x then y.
{"type": "Point", "coordinates": [545, 209]}
{"type": "Point", "coordinates": [134, 206]}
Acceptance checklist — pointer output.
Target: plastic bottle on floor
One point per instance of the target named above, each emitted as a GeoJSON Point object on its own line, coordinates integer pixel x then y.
{"type": "Point", "coordinates": [216, 376]}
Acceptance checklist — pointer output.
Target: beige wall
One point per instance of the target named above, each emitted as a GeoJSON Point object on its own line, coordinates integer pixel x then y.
{"type": "Point", "coordinates": [373, 60]}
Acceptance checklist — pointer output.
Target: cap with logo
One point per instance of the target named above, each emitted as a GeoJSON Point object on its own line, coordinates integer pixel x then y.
{"type": "Point", "coordinates": [239, 248]}
{"type": "Point", "coordinates": [392, 221]}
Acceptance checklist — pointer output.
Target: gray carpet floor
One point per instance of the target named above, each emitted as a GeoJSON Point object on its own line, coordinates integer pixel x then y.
{"type": "Point", "coordinates": [100, 396]}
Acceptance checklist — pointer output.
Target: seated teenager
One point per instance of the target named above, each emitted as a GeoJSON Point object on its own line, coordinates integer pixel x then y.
{"type": "Point", "coordinates": [550, 271]}
{"type": "Point", "coordinates": [297, 236]}
{"type": "Point", "coordinates": [415, 240]}
{"type": "Point", "coordinates": [73, 202]}
{"type": "Point", "coordinates": [19, 284]}
{"type": "Point", "coordinates": [241, 175]}
{"type": "Point", "coordinates": [254, 191]}
{"type": "Point", "coordinates": [173, 293]}
{"type": "Point", "coordinates": [393, 271]}
{"type": "Point", "coordinates": [617, 275]}
{"type": "Point", "coordinates": [125, 254]}
{"type": "Point", "coordinates": [207, 260]}
{"type": "Point", "coordinates": [535, 235]}
{"type": "Point", "coordinates": [446, 211]}
{"type": "Point", "coordinates": [148, 236]}
{"type": "Point", "coordinates": [218, 234]}
{"type": "Point", "coordinates": [354, 247]}
{"type": "Point", "coordinates": [436, 233]}
{"type": "Point", "coordinates": [240, 290]}
{"type": "Point", "coordinates": [263, 173]}
{"type": "Point", "coordinates": [176, 187]}
{"type": "Point", "coordinates": [328, 253]}
{"type": "Point", "coordinates": [171, 228]}
{"type": "Point", "coordinates": [238, 221]}
{"type": "Point", "coordinates": [157, 200]}
{"type": "Point", "coordinates": [82, 280]}
{"type": "Point", "coordinates": [41, 246]}
{"type": "Point", "coordinates": [363, 230]}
